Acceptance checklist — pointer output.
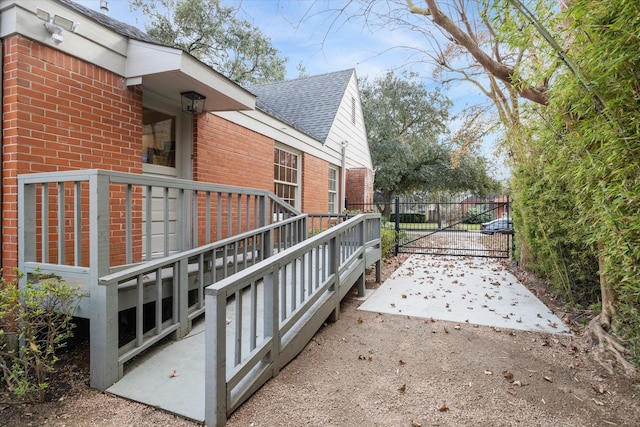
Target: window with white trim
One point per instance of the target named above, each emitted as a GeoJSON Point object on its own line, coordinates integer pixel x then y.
{"type": "Point", "coordinates": [285, 175]}
{"type": "Point", "coordinates": [333, 190]}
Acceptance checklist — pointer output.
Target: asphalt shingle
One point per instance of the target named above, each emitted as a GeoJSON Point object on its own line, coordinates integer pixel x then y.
{"type": "Point", "coordinates": [121, 28]}
{"type": "Point", "coordinates": [309, 104]}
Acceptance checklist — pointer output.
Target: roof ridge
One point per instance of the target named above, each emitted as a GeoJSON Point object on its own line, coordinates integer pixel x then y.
{"type": "Point", "coordinates": [315, 76]}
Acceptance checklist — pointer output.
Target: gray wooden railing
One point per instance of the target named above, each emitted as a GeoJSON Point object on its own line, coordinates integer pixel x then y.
{"type": "Point", "coordinates": [184, 275]}
{"type": "Point", "coordinates": [258, 320]}
{"type": "Point", "coordinates": [86, 224]}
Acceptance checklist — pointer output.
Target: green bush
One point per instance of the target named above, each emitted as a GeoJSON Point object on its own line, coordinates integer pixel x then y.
{"type": "Point", "coordinates": [387, 240]}
{"type": "Point", "coordinates": [478, 215]}
{"type": "Point", "coordinates": [37, 316]}
{"type": "Point", "coordinates": [409, 218]}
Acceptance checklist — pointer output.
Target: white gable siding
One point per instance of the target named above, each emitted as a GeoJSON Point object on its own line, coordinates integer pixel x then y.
{"type": "Point", "coordinates": [343, 129]}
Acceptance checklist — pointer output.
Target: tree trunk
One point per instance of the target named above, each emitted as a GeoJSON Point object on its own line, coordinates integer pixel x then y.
{"type": "Point", "coordinates": [608, 350]}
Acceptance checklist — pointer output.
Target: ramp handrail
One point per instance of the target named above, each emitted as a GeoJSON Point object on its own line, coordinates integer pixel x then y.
{"type": "Point", "coordinates": [182, 277]}
{"type": "Point", "coordinates": [260, 319]}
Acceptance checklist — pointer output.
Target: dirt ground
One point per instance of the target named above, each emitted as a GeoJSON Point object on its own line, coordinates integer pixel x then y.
{"type": "Point", "coordinates": [372, 369]}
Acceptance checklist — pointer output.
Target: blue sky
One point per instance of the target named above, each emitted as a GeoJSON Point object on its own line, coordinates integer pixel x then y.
{"type": "Point", "coordinates": [316, 34]}
{"type": "Point", "coordinates": [312, 32]}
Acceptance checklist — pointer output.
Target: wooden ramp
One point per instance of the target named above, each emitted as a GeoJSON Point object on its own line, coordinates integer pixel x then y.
{"type": "Point", "coordinates": [169, 377]}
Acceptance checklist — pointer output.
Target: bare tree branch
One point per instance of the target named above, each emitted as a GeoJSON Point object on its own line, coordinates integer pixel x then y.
{"type": "Point", "coordinates": [498, 69]}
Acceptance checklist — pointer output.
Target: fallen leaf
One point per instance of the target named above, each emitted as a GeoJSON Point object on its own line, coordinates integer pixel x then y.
{"type": "Point", "coordinates": [446, 330]}
{"type": "Point", "coordinates": [404, 295]}
{"type": "Point", "coordinates": [403, 388]}
{"type": "Point", "coordinates": [173, 373]}
{"type": "Point", "coordinates": [414, 423]}
{"type": "Point", "coordinates": [402, 362]}
{"type": "Point", "coordinates": [360, 320]}
{"type": "Point", "coordinates": [600, 389]}
{"type": "Point", "coordinates": [443, 408]}
{"type": "Point", "coordinates": [511, 390]}
{"type": "Point", "coordinates": [508, 375]}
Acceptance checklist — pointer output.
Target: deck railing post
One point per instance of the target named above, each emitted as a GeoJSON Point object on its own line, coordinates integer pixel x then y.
{"type": "Point", "coordinates": [183, 298]}
{"type": "Point", "coordinates": [26, 226]}
{"type": "Point", "coordinates": [104, 299]}
{"type": "Point", "coordinates": [215, 405]}
{"type": "Point", "coordinates": [333, 258]}
{"type": "Point", "coordinates": [362, 230]}
{"type": "Point", "coordinates": [271, 311]}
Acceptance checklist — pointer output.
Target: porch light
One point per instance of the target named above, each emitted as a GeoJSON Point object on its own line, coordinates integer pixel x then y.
{"type": "Point", "coordinates": [192, 102]}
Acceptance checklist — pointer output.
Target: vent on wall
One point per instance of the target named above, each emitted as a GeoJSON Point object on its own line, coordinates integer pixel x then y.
{"type": "Point", "coordinates": [353, 110]}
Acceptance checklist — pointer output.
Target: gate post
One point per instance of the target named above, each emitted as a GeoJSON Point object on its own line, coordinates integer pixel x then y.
{"type": "Point", "coordinates": [397, 227]}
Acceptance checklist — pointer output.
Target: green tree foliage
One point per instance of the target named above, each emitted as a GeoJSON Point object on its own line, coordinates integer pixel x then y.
{"type": "Point", "coordinates": [213, 34]}
{"type": "Point", "coordinates": [407, 130]}
{"type": "Point", "coordinates": [588, 146]}
{"type": "Point", "coordinates": [573, 148]}
{"type": "Point", "coordinates": [576, 166]}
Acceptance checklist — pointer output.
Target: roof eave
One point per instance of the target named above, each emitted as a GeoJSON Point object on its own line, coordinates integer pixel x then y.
{"type": "Point", "coordinates": [171, 71]}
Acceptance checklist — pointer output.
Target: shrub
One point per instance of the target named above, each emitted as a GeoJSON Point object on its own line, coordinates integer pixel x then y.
{"type": "Point", "coordinates": [387, 241]}
{"type": "Point", "coordinates": [409, 218]}
{"type": "Point", "coordinates": [39, 316]}
{"type": "Point", "coordinates": [478, 215]}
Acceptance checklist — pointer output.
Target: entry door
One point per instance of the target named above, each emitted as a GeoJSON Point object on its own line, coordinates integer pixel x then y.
{"type": "Point", "coordinates": [160, 156]}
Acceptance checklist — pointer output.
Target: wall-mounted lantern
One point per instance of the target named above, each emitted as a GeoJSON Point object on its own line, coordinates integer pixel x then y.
{"type": "Point", "coordinates": [192, 102]}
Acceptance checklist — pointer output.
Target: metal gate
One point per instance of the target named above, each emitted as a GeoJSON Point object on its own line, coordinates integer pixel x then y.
{"type": "Point", "coordinates": [467, 227]}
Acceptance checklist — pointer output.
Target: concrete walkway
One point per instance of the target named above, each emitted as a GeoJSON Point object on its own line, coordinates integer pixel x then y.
{"type": "Point", "coordinates": [465, 290]}
{"type": "Point", "coordinates": [458, 289]}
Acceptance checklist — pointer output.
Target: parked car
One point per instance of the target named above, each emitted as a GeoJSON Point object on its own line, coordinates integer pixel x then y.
{"type": "Point", "coordinates": [501, 226]}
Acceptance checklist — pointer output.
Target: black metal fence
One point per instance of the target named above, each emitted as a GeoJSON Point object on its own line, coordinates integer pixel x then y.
{"type": "Point", "coordinates": [469, 226]}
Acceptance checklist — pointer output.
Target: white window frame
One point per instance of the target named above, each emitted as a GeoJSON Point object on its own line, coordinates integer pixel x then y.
{"type": "Point", "coordinates": [333, 190]}
{"type": "Point", "coordinates": [298, 173]}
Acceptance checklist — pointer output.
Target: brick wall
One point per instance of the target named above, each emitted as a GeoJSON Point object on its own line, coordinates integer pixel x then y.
{"type": "Point", "coordinates": [61, 113]}
{"type": "Point", "coordinates": [315, 185]}
{"type": "Point", "coordinates": [359, 187]}
{"type": "Point", "coordinates": [228, 154]}
{"type": "Point", "coordinates": [225, 153]}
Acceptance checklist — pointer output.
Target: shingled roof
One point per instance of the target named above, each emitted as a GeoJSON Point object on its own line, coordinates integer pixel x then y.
{"type": "Point", "coordinates": [121, 28]}
{"type": "Point", "coordinates": [308, 104]}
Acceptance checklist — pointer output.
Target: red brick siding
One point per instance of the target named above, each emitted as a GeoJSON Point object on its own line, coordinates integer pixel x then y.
{"type": "Point", "coordinates": [315, 185]}
{"type": "Point", "coordinates": [61, 113]}
{"type": "Point", "coordinates": [228, 154]}
{"type": "Point", "coordinates": [225, 153]}
{"type": "Point", "coordinates": [359, 188]}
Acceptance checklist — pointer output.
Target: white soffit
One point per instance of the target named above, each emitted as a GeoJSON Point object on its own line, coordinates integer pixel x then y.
{"type": "Point", "coordinates": [170, 71]}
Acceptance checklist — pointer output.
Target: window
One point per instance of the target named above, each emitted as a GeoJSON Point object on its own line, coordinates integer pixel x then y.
{"type": "Point", "coordinates": [333, 190]}
{"type": "Point", "coordinates": [285, 175]}
{"type": "Point", "coordinates": [158, 138]}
